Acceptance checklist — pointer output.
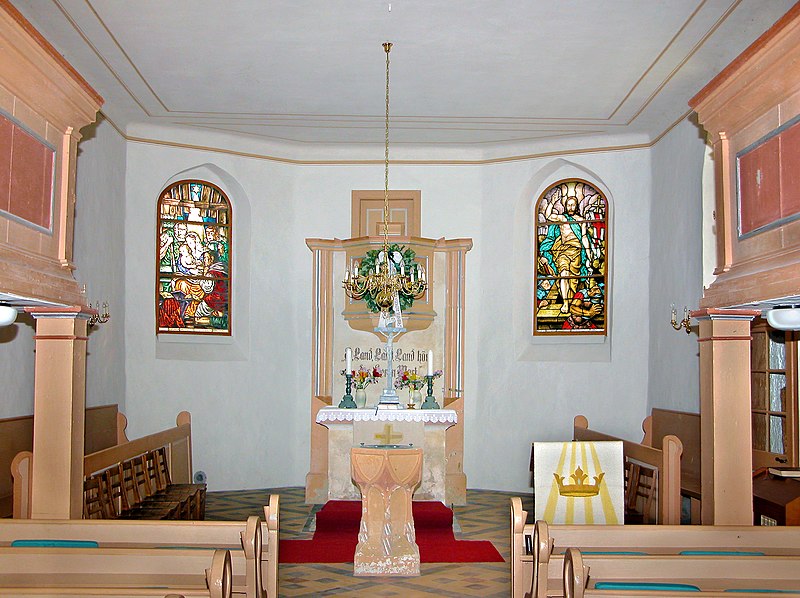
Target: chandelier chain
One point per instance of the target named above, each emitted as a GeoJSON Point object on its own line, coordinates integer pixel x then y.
{"type": "Point", "coordinates": [390, 276]}
{"type": "Point", "coordinates": [387, 47]}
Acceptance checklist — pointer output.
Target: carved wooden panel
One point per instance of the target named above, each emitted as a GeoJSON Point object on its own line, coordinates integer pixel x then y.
{"type": "Point", "coordinates": [768, 179]}
{"type": "Point", "coordinates": [26, 175]}
{"type": "Point", "coordinates": [367, 213]}
{"type": "Point", "coordinates": [751, 110]}
{"type": "Point", "coordinates": [44, 103]}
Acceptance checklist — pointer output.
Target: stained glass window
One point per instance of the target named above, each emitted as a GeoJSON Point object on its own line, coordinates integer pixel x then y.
{"type": "Point", "coordinates": [193, 283]}
{"type": "Point", "coordinates": [570, 270]}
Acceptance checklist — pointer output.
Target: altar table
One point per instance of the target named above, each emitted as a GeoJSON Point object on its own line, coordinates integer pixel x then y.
{"type": "Point", "coordinates": [421, 428]}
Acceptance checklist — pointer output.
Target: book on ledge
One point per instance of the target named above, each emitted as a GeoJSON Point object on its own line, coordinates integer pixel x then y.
{"type": "Point", "coordinates": [785, 472]}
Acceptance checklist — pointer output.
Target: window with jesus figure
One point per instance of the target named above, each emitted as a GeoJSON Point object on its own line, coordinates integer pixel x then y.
{"type": "Point", "coordinates": [570, 270]}
{"type": "Point", "coordinates": [193, 280]}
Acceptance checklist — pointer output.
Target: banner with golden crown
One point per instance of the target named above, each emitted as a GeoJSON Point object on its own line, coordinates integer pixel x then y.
{"type": "Point", "coordinates": [579, 482]}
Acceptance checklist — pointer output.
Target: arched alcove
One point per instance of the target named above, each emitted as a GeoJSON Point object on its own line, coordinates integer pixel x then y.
{"type": "Point", "coordinates": [236, 346]}
{"type": "Point", "coordinates": [528, 347]}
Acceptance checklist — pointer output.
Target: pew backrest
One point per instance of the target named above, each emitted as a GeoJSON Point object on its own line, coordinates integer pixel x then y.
{"type": "Point", "coordinates": [201, 572]}
{"type": "Point", "coordinates": [666, 460]}
{"type": "Point", "coordinates": [255, 559]}
{"type": "Point", "coordinates": [176, 443]}
{"type": "Point", "coordinates": [654, 575]}
{"type": "Point", "coordinates": [532, 574]}
{"type": "Point", "coordinates": [686, 426]}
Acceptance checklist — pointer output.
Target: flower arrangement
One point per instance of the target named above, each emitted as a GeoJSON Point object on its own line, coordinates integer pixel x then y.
{"type": "Point", "coordinates": [411, 380]}
{"type": "Point", "coordinates": [363, 377]}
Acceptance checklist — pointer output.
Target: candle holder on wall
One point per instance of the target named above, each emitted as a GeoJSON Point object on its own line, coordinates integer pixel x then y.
{"type": "Point", "coordinates": [684, 323]}
{"type": "Point", "coordinates": [99, 317]}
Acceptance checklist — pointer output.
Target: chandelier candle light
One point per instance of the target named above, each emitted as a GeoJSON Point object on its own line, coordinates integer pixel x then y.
{"type": "Point", "coordinates": [388, 279]}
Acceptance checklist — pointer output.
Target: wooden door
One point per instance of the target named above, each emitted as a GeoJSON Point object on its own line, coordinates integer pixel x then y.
{"type": "Point", "coordinates": [773, 393]}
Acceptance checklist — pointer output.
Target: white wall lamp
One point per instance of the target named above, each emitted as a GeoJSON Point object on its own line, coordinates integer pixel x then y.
{"type": "Point", "coordinates": [8, 315]}
{"type": "Point", "coordinates": [784, 317]}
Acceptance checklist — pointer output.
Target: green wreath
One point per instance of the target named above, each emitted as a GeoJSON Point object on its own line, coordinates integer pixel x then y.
{"type": "Point", "coordinates": [368, 263]}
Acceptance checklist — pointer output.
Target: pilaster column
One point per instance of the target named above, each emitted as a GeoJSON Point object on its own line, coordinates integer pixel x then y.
{"type": "Point", "coordinates": [455, 316]}
{"type": "Point", "coordinates": [725, 420]}
{"type": "Point", "coordinates": [59, 412]}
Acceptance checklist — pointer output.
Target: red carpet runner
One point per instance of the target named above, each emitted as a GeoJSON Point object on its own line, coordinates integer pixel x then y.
{"type": "Point", "coordinates": [336, 537]}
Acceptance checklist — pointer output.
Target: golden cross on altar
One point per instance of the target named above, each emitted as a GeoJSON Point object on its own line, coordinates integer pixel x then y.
{"type": "Point", "coordinates": [388, 437]}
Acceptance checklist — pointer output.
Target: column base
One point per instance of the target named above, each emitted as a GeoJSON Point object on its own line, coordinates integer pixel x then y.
{"type": "Point", "coordinates": [406, 565]}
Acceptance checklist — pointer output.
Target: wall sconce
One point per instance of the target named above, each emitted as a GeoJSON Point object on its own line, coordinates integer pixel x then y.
{"type": "Point", "coordinates": [784, 317]}
{"type": "Point", "coordinates": [685, 323]}
{"type": "Point", "coordinates": [8, 315]}
{"type": "Point", "coordinates": [99, 317]}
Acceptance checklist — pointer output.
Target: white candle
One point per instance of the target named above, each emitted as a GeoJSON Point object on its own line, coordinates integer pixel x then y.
{"type": "Point", "coordinates": [348, 356]}
{"type": "Point", "coordinates": [430, 363]}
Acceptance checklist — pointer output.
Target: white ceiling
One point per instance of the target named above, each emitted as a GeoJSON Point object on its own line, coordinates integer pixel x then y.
{"type": "Point", "coordinates": [486, 73]}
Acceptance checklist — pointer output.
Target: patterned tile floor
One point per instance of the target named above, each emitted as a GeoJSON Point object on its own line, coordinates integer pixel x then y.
{"type": "Point", "coordinates": [486, 516]}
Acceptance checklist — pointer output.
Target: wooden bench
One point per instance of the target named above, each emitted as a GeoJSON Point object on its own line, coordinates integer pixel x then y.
{"type": "Point", "coordinates": [116, 572]}
{"type": "Point", "coordinates": [540, 572]}
{"type": "Point", "coordinates": [253, 545]}
{"type": "Point", "coordinates": [675, 575]}
{"type": "Point", "coordinates": [149, 477]}
{"type": "Point", "coordinates": [17, 435]}
{"type": "Point", "coordinates": [639, 458]}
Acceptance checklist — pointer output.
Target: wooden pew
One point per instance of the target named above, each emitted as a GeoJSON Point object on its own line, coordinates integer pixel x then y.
{"type": "Point", "coordinates": [540, 573]}
{"type": "Point", "coordinates": [686, 426]}
{"type": "Point", "coordinates": [115, 572]}
{"type": "Point", "coordinates": [253, 545]}
{"type": "Point", "coordinates": [17, 434]}
{"type": "Point", "coordinates": [674, 575]}
{"type": "Point", "coordinates": [666, 460]}
{"type": "Point", "coordinates": [175, 443]}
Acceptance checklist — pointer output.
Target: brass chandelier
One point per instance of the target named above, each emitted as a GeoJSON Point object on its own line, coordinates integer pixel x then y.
{"type": "Point", "coordinates": [389, 278]}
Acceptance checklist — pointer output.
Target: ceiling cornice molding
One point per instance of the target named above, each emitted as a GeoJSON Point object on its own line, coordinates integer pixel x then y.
{"type": "Point", "coordinates": [420, 162]}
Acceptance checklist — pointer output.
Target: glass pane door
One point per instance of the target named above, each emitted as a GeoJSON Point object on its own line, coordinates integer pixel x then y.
{"type": "Point", "coordinates": [773, 394]}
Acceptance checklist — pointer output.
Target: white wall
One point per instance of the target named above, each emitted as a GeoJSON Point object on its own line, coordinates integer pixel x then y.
{"type": "Point", "coordinates": [99, 256]}
{"type": "Point", "coordinates": [250, 398]}
{"type": "Point", "coordinates": [529, 388]}
{"type": "Point", "coordinates": [244, 393]}
{"type": "Point", "coordinates": [676, 266]}
{"type": "Point", "coordinates": [251, 415]}
{"type": "Point", "coordinates": [16, 367]}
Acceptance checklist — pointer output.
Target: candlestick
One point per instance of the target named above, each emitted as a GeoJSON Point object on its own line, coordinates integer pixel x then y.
{"type": "Point", "coordinates": [430, 401]}
{"type": "Point", "coordinates": [347, 401]}
{"type": "Point", "coordinates": [430, 363]}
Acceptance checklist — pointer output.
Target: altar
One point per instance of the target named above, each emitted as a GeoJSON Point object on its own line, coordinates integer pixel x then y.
{"type": "Point", "coordinates": [350, 335]}
{"type": "Point", "coordinates": [348, 428]}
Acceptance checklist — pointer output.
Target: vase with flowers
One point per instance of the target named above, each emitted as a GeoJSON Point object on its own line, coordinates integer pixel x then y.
{"type": "Point", "coordinates": [363, 377]}
{"type": "Point", "coordinates": [411, 380]}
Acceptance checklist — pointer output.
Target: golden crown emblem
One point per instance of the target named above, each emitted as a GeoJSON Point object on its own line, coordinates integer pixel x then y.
{"type": "Point", "coordinates": [579, 487]}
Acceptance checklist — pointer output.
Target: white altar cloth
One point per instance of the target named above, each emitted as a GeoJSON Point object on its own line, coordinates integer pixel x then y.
{"type": "Point", "coordinates": [429, 425]}
{"type": "Point", "coordinates": [430, 416]}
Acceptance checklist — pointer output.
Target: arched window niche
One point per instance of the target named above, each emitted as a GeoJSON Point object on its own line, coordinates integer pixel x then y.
{"type": "Point", "coordinates": [570, 221]}
{"type": "Point", "coordinates": [573, 348]}
{"type": "Point", "coordinates": [211, 344]}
